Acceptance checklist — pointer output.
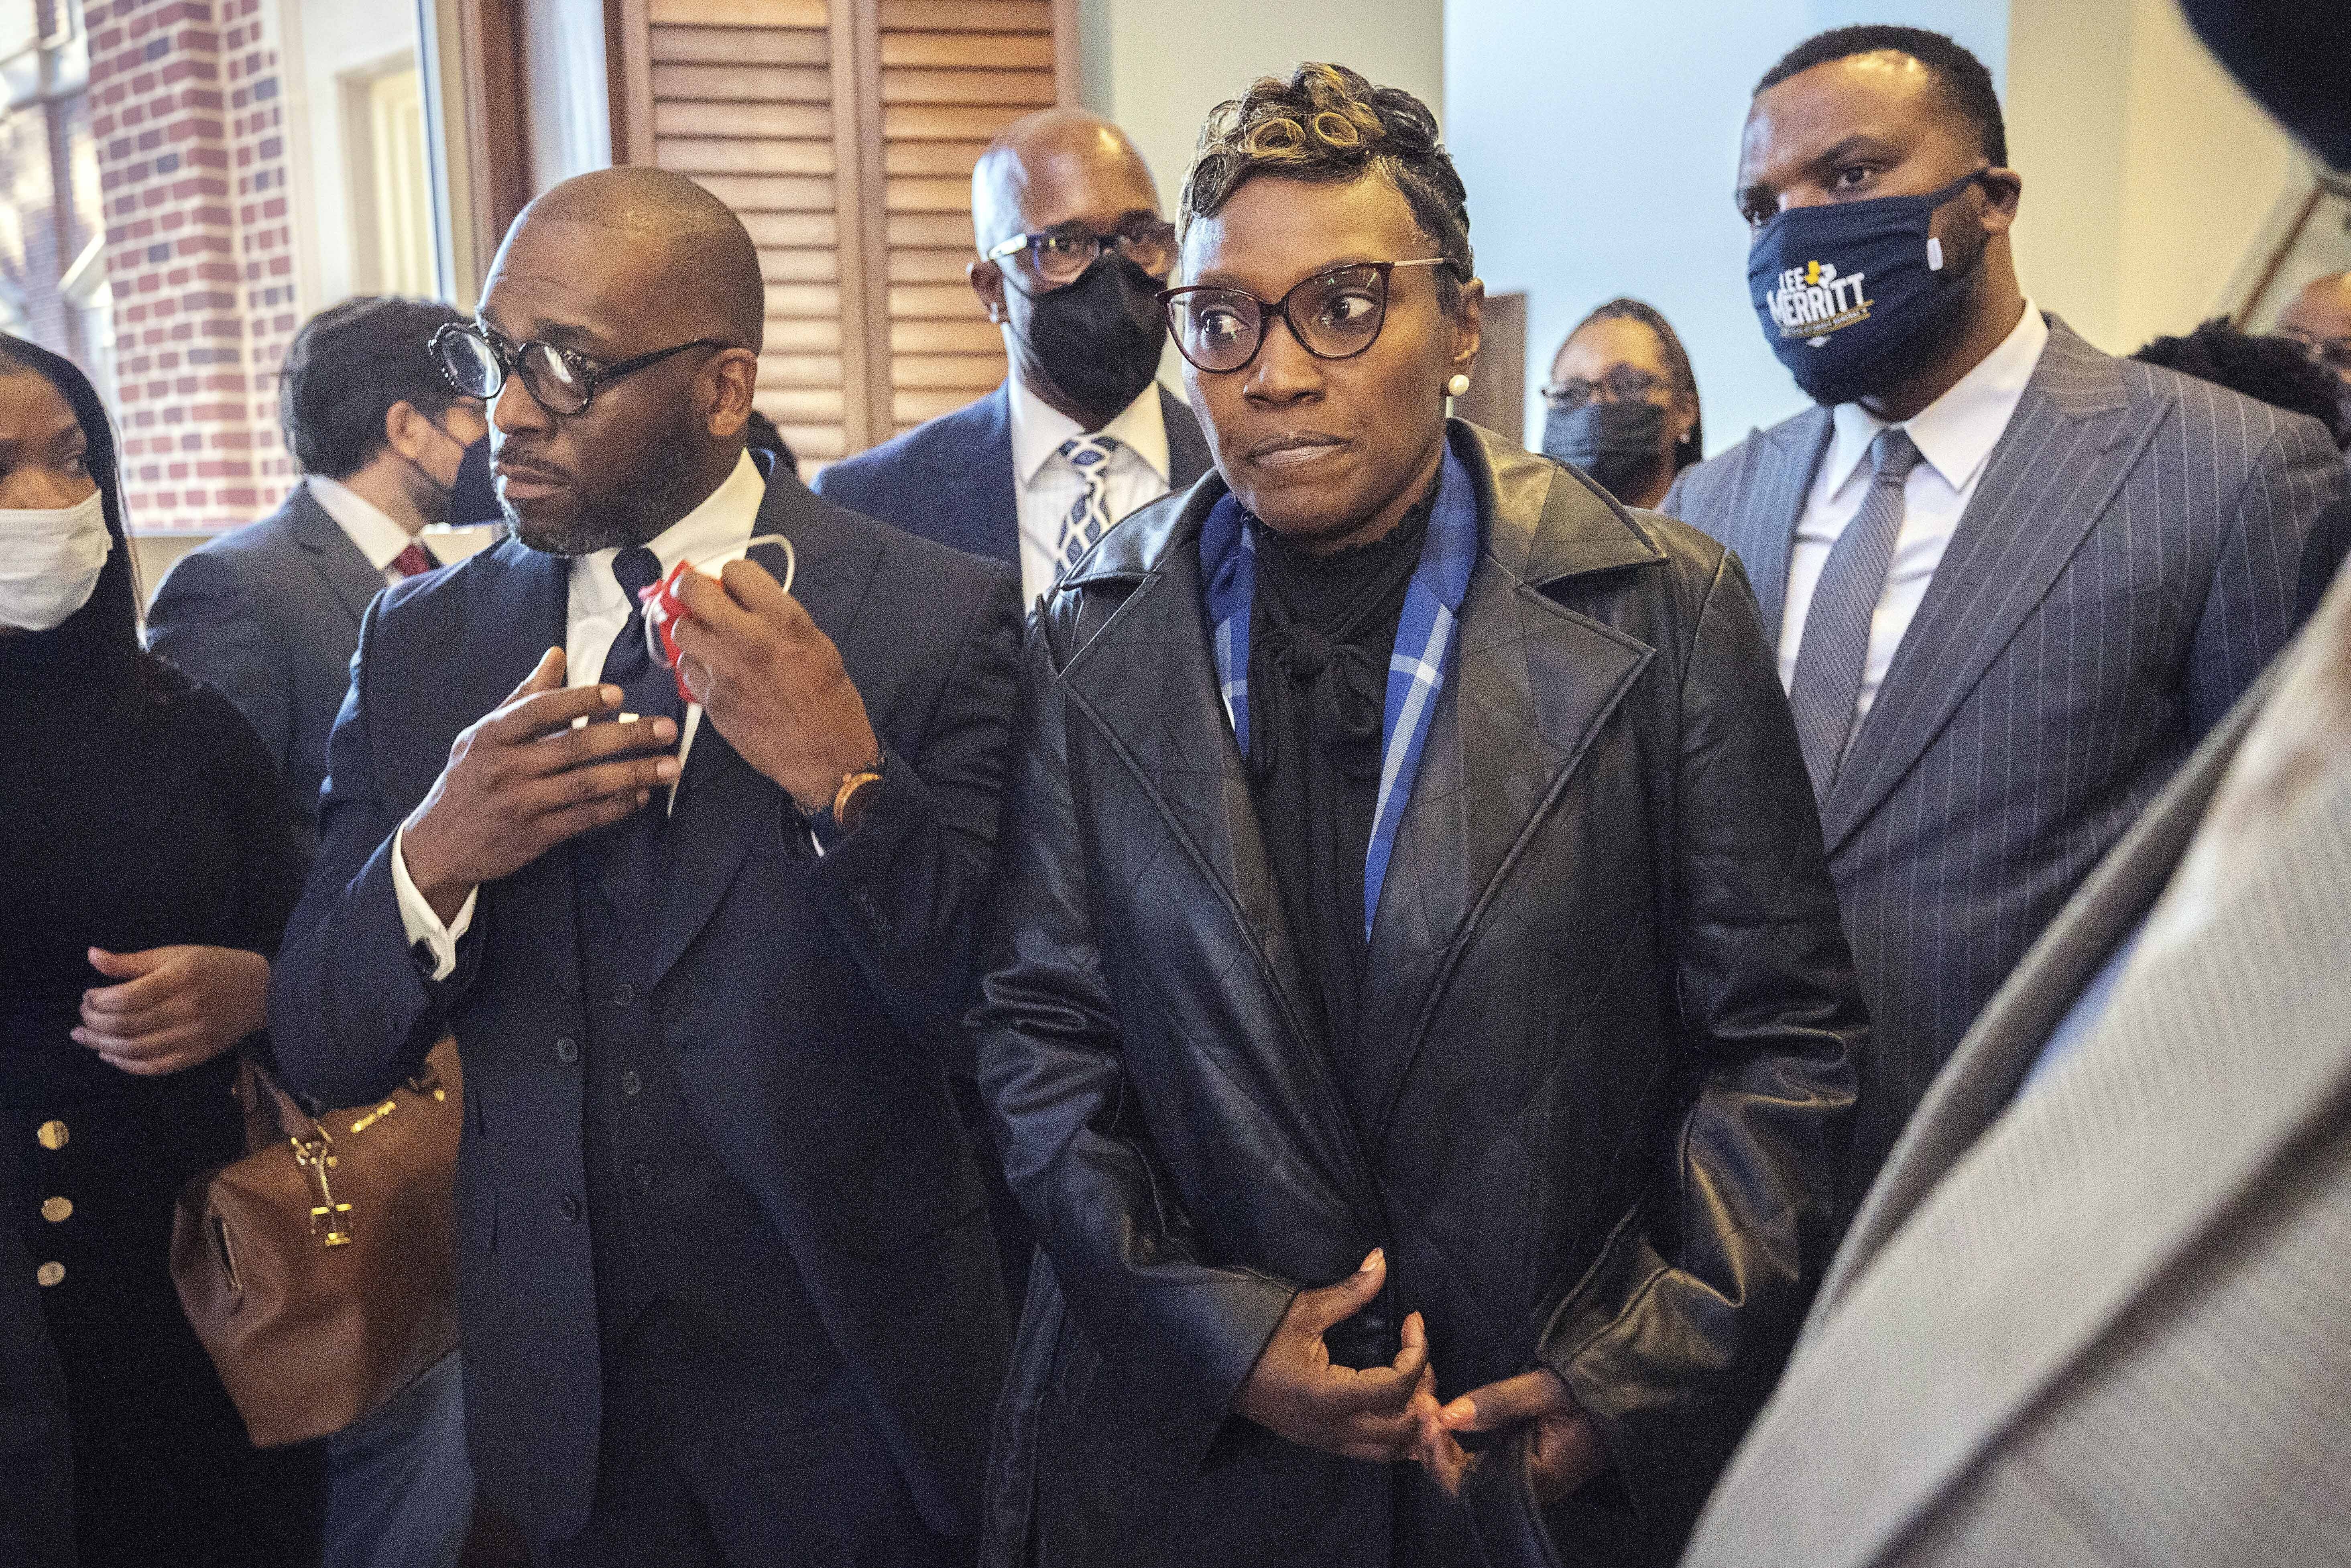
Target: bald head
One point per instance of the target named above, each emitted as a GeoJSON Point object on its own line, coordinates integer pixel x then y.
{"type": "Point", "coordinates": [1056, 166]}
{"type": "Point", "coordinates": [2321, 313]}
{"type": "Point", "coordinates": [695, 251]}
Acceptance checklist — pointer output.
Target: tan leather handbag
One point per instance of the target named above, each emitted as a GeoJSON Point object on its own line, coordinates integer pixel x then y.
{"type": "Point", "coordinates": [319, 1270]}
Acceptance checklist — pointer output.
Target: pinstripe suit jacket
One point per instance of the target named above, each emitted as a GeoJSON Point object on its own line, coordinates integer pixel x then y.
{"type": "Point", "coordinates": [2126, 570]}
{"type": "Point", "coordinates": [2108, 1322]}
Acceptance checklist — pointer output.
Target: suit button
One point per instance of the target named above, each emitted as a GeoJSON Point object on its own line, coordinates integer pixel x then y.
{"type": "Point", "coordinates": [57, 1210]}
{"type": "Point", "coordinates": [625, 995]}
{"type": "Point", "coordinates": [569, 1209]}
{"type": "Point", "coordinates": [49, 1274]}
{"type": "Point", "coordinates": [630, 1085]}
{"type": "Point", "coordinates": [644, 1173]}
{"type": "Point", "coordinates": [567, 1050]}
{"type": "Point", "coordinates": [52, 1134]}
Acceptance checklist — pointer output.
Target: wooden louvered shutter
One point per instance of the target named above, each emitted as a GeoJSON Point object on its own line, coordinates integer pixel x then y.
{"type": "Point", "coordinates": [844, 132]}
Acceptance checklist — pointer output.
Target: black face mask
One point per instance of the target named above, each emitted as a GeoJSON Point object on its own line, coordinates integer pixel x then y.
{"type": "Point", "coordinates": [1099, 338]}
{"type": "Point", "coordinates": [1853, 296]}
{"type": "Point", "coordinates": [1618, 444]}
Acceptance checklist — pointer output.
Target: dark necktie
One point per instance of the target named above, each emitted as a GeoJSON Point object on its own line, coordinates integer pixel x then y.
{"type": "Point", "coordinates": [413, 561]}
{"type": "Point", "coordinates": [648, 688]}
{"type": "Point", "coordinates": [628, 854]}
{"type": "Point", "coordinates": [1835, 648]}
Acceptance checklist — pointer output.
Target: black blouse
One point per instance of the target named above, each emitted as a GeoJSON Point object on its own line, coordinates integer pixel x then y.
{"type": "Point", "coordinates": [1322, 631]}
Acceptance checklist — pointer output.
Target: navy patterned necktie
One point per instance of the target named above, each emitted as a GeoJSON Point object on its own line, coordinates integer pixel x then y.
{"type": "Point", "coordinates": [1835, 648]}
{"type": "Point", "coordinates": [1088, 517]}
{"type": "Point", "coordinates": [648, 689]}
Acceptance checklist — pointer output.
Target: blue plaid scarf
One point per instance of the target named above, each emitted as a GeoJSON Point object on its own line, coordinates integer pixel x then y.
{"type": "Point", "coordinates": [1424, 642]}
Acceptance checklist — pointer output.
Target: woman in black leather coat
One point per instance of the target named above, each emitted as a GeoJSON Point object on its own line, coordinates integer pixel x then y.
{"type": "Point", "coordinates": [1579, 1083]}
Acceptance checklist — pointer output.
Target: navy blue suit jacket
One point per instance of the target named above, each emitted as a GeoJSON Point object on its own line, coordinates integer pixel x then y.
{"type": "Point", "coordinates": [270, 614]}
{"type": "Point", "coordinates": [951, 479]}
{"type": "Point", "coordinates": [810, 1001]}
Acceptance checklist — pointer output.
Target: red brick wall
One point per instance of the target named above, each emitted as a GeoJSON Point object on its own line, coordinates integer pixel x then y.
{"type": "Point", "coordinates": [186, 112]}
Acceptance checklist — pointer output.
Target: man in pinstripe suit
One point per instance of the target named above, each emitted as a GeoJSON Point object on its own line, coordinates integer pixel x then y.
{"type": "Point", "coordinates": [2080, 562]}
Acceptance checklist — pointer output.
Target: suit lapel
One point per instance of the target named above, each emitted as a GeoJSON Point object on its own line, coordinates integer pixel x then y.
{"type": "Point", "coordinates": [339, 562]}
{"type": "Point", "coordinates": [2076, 1203]}
{"type": "Point", "coordinates": [1763, 529]}
{"type": "Point", "coordinates": [2064, 457]}
{"type": "Point", "coordinates": [723, 803]}
{"type": "Point", "coordinates": [1146, 683]}
{"type": "Point", "coordinates": [996, 501]}
{"type": "Point", "coordinates": [1530, 685]}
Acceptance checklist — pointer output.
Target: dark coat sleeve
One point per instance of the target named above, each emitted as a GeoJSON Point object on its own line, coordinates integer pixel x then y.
{"type": "Point", "coordinates": [1181, 1337]}
{"type": "Point", "coordinates": [905, 888]}
{"type": "Point", "coordinates": [352, 1012]}
{"type": "Point", "coordinates": [1673, 1338]}
{"type": "Point", "coordinates": [202, 621]}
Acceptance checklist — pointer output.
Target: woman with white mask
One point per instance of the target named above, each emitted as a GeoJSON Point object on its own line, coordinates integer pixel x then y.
{"type": "Point", "coordinates": [147, 868]}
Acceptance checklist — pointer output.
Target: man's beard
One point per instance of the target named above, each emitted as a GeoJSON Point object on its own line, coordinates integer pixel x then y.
{"type": "Point", "coordinates": [619, 517]}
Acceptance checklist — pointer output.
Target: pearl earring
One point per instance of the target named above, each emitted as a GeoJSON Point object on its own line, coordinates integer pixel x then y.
{"type": "Point", "coordinates": [1457, 386]}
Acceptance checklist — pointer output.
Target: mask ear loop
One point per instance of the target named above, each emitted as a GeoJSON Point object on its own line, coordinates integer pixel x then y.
{"type": "Point", "coordinates": [654, 649]}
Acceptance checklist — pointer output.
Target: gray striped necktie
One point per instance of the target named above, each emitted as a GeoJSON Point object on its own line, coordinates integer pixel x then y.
{"type": "Point", "coordinates": [1830, 659]}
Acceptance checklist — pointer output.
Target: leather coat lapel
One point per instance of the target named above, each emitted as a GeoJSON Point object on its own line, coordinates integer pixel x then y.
{"type": "Point", "coordinates": [2074, 1204]}
{"type": "Point", "coordinates": [723, 803]}
{"type": "Point", "coordinates": [1145, 681]}
{"type": "Point", "coordinates": [339, 563]}
{"type": "Point", "coordinates": [2062, 461]}
{"type": "Point", "coordinates": [1533, 682]}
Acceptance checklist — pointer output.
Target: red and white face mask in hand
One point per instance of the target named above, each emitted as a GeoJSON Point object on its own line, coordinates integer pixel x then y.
{"type": "Point", "coordinates": [664, 610]}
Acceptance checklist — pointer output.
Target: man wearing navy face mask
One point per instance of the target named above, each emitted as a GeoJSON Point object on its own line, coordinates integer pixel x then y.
{"type": "Point", "coordinates": [1072, 254]}
{"type": "Point", "coordinates": [2012, 580]}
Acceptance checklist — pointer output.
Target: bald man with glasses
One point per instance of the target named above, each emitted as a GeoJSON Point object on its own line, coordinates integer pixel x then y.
{"type": "Point", "coordinates": [1073, 251]}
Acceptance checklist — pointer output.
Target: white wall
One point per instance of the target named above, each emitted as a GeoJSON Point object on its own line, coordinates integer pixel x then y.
{"type": "Point", "coordinates": [1157, 68]}
{"type": "Point", "coordinates": [2149, 176]}
{"type": "Point", "coordinates": [1600, 142]}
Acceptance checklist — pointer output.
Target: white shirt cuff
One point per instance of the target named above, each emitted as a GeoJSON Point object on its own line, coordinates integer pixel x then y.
{"type": "Point", "coordinates": [422, 925]}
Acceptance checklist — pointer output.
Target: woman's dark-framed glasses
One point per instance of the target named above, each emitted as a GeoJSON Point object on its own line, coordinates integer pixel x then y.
{"type": "Point", "coordinates": [1621, 383]}
{"type": "Point", "coordinates": [1060, 256]}
{"type": "Point", "coordinates": [1335, 315]}
{"type": "Point", "coordinates": [476, 361]}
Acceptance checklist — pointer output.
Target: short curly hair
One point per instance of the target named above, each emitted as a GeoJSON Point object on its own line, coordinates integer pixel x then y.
{"type": "Point", "coordinates": [1329, 125]}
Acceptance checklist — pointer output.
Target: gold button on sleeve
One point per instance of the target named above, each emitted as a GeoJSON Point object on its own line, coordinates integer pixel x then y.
{"type": "Point", "coordinates": [49, 1274]}
{"type": "Point", "coordinates": [57, 1210]}
{"type": "Point", "coordinates": [52, 1134]}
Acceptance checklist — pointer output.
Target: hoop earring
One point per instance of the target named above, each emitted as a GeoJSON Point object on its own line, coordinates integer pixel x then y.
{"type": "Point", "coordinates": [1457, 386]}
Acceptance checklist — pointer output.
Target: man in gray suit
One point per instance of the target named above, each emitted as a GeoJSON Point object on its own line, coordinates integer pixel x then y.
{"type": "Point", "coordinates": [271, 612]}
{"type": "Point", "coordinates": [2012, 580]}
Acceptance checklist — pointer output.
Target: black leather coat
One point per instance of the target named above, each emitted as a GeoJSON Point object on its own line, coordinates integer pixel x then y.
{"type": "Point", "coordinates": [1598, 1102]}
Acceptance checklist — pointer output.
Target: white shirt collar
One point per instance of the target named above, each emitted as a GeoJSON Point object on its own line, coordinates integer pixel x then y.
{"type": "Point", "coordinates": [1038, 429]}
{"type": "Point", "coordinates": [366, 525]}
{"type": "Point", "coordinates": [723, 522]}
{"type": "Point", "coordinates": [1956, 431]}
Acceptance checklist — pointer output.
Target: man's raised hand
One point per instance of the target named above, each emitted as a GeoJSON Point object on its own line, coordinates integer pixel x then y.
{"type": "Point", "coordinates": [522, 779]}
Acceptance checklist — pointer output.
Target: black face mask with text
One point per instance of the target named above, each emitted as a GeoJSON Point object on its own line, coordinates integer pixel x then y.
{"type": "Point", "coordinates": [1099, 338]}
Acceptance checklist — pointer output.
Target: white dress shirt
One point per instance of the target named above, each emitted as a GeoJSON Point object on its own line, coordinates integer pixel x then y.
{"type": "Point", "coordinates": [1955, 435]}
{"type": "Point", "coordinates": [714, 533]}
{"type": "Point", "coordinates": [366, 525]}
{"type": "Point", "coordinates": [1048, 487]}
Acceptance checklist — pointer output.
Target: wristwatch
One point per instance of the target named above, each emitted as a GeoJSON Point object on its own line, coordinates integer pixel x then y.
{"type": "Point", "coordinates": [852, 800]}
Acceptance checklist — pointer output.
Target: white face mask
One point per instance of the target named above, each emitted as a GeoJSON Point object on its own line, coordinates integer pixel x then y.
{"type": "Point", "coordinates": [50, 562]}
